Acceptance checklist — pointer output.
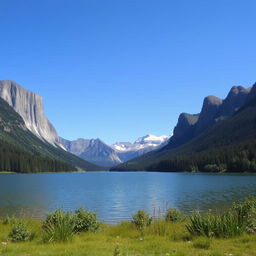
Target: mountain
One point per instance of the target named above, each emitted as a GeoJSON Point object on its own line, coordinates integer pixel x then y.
{"type": "Point", "coordinates": [23, 151]}
{"type": "Point", "coordinates": [222, 137]}
{"type": "Point", "coordinates": [214, 110]}
{"type": "Point", "coordinates": [97, 152]}
{"type": "Point", "coordinates": [29, 106]}
{"type": "Point", "coordinates": [92, 150]}
{"type": "Point", "coordinates": [143, 145]}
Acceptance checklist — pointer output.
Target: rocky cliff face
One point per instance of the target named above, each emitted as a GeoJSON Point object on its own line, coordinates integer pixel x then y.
{"type": "Point", "coordinates": [208, 113]}
{"type": "Point", "coordinates": [235, 99]}
{"type": "Point", "coordinates": [214, 110]}
{"type": "Point", "coordinates": [30, 107]}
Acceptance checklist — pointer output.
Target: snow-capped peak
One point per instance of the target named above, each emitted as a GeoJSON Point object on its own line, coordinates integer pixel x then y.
{"type": "Point", "coordinates": [148, 141]}
{"type": "Point", "coordinates": [151, 139]}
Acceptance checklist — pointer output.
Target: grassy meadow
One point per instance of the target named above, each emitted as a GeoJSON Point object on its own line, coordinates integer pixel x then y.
{"type": "Point", "coordinates": [231, 233]}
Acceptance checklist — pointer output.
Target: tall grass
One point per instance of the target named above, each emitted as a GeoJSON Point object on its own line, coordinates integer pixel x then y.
{"type": "Point", "coordinates": [223, 225]}
{"type": "Point", "coordinates": [59, 227]}
{"type": "Point", "coordinates": [239, 219]}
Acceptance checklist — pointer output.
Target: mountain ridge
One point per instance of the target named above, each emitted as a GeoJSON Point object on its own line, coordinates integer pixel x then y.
{"type": "Point", "coordinates": [190, 143]}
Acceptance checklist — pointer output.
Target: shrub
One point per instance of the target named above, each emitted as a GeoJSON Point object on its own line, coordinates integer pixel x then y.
{"type": "Point", "coordinates": [85, 221]}
{"type": "Point", "coordinates": [173, 215]}
{"type": "Point", "coordinates": [141, 219]}
{"type": "Point", "coordinates": [59, 227]}
{"type": "Point", "coordinates": [20, 232]}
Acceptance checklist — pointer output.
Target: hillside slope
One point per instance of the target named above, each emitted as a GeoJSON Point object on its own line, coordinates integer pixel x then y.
{"type": "Point", "coordinates": [22, 151]}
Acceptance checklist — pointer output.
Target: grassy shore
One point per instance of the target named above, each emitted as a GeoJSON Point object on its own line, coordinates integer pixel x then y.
{"type": "Point", "coordinates": [161, 238]}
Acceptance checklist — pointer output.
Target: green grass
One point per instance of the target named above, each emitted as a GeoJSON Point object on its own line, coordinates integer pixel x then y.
{"type": "Point", "coordinates": [125, 237]}
{"type": "Point", "coordinates": [198, 235]}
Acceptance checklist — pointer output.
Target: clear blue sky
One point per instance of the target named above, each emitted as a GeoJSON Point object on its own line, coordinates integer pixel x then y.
{"type": "Point", "coordinates": [121, 69]}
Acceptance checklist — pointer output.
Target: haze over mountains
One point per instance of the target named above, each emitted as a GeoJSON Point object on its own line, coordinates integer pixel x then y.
{"type": "Point", "coordinates": [98, 152]}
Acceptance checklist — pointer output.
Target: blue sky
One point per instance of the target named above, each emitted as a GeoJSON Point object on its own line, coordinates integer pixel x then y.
{"type": "Point", "coordinates": [121, 69]}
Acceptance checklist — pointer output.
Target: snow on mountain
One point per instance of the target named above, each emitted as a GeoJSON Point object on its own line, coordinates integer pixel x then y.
{"type": "Point", "coordinates": [96, 151]}
{"type": "Point", "coordinates": [149, 140]}
{"type": "Point", "coordinates": [128, 150]}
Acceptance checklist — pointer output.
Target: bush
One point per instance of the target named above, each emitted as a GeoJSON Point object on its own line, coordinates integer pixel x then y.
{"type": "Point", "coordinates": [85, 221]}
{"type": "Point", "coordinates": [141, 219]}
{"type": "Point", "coordinates": [59, 227]}
{"type": "Point", "coordinates": [20, 232]}
{"type": "Point", "coordinates": [173, 215]}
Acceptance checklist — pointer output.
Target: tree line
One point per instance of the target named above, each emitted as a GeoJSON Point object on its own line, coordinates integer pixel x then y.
{"type": "Point", "coordinates": [15, 159]}
{"type": "Point", "coordinates": [234, 158]}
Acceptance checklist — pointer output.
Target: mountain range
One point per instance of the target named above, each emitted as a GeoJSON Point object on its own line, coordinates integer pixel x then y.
{"type": "Point", "coordinates": [98, 152]}
{"type": "Point", "coordinates": [222, 137]}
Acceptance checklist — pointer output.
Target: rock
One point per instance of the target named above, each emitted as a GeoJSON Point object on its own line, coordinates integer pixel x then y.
{"type": "Point", "coordinates": [30, 107]}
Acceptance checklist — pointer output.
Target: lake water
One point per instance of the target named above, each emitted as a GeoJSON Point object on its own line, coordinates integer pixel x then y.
{"type": "Point", "coordinates": [115, 196]}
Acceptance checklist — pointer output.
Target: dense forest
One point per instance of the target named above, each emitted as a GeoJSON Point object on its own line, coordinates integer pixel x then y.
{"type": "Point", "coordinates": [235, 158]}
{"type": "Point", "coordinates": [16, 160]}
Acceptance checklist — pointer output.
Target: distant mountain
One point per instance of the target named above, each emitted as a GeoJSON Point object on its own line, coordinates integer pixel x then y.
{"type": "Point", "coordinates": [221, 137]}
{"type": "Point", "coordinates": [97, 152]}
{"type": "Point", "coordinates": [143, 145]}
{"type": "Point", "coordinates": [92, 150]}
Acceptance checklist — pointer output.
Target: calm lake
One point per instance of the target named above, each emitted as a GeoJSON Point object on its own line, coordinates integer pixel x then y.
{"type": "Point", "coordinates": [115, 196]}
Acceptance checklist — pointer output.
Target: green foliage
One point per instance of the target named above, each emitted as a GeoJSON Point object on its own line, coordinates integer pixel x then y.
{"type": "Point", "coordinates": [224, 225]}
{"type": "Point", "coordinates": [159, 228]}
{"type": "Point", "coordinates": [20, 232]}
{"type": "Point", "coordinates": [215, 167]}
{"type": "Point", "coordinates": [173, 215]}
{"type": "Point", "coordinates": [59, 227]}
{"type": "Point", "coordinates": [85, 221]}
{"type": "Point", "coordinates": [246, 212]}
{"type": "Point", "coordinates": [141, 219]}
